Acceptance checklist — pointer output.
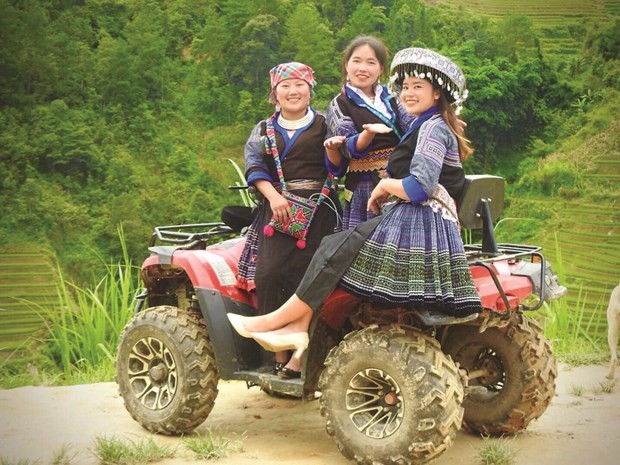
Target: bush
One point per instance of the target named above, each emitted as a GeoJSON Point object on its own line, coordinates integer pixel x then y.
{"type": "Point", "coordinates": [548, 178]}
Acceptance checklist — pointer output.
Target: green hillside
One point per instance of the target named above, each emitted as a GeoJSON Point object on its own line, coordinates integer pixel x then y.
{"type": "Point", "coordinates": [579, 227]}
{"type": "Point", "coordinates": [543, 13]}
{"type": "Point", "coordinates": [559, 24]}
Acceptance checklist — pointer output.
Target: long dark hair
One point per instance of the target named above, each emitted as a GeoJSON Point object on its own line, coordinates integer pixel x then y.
{"type": "Point", "coordinates": [455, 124]}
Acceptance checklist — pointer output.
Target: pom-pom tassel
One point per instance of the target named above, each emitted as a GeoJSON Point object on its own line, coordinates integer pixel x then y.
{"type": "Point", "coordinates": [268, 230]}
{"type": "Point", "coordinates": [301, 244]}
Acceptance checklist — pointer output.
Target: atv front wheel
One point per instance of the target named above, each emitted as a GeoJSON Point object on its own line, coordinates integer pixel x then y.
{"type": "Point", "coordinates": [166, 371]}
{"type": "Point", "coordinates": [512, 373]}
{"type": "Point", "coordinates": [391, 397]}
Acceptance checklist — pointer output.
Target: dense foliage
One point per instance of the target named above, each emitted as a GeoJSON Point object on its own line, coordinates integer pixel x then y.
{"type": "Point", "coordinates": [125, 111]}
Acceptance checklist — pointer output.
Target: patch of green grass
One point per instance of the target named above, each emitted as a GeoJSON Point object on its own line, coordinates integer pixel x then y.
{"type": "Point", "coordinates": [114, 451]}
{"type": "Point", "coordinates": [497, 451]}
{"type": "Point", "coordinates": [605, 387]}
{"type": "Point", "coordinates": [84, 331]}
{"type": "Point", "coordinates": [573, 324]}
{"type": "Point", "coordinates": [4, 461]}
{"type": "Point", "coordinates": [575, 358]}
{"type": "Point", "coordinates": [577, 391]}
{"type": "Point", "coordinates": [212, 445]}
{"type": "Point", "coordinates": [63, 456]}
{"type": "Point", "coordinates": [104, 371]}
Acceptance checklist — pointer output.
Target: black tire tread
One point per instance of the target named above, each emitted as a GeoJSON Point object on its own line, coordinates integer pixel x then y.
{"type": "Point", "coordinates": [537, 369]}
{"type": "Point", "coordinates": [199, 390]}
{"type": "Point", "coordinates": [440, 405]}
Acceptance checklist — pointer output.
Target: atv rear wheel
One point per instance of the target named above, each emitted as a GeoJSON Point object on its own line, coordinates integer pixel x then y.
{"type": "Point", "coordinates": [166, 371]}
{"type": "Point", "coordinates": [513, 373]}
{"type": "Point", "coordinates": [391, 397]}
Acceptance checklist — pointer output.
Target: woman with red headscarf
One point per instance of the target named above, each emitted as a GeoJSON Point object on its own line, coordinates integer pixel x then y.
{"type": "Point", "coordinates": [274, 263]}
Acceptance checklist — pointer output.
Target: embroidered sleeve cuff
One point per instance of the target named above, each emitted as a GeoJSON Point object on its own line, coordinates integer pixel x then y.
{"type": "Point", "coordinates": [254, 176]}
{"type": "Point", "coordinates": [351, 142]}
{"type": "Point", "coordinates": [337, 170]}
{"type": "Point", "coordinates": [414, 190]}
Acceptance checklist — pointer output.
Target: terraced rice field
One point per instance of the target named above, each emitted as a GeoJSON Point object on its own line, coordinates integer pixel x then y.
{"type": "Point", "coordinates": [539, 11]}
{"type": "Point", "coordinates": [558, 23]}
{"type": "Point", "coordinates": [589, 247]}
{"type": "Point", "coordinates": [27, 279]}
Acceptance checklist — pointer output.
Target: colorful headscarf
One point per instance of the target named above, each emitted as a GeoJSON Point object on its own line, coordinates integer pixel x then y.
{"type": "Point", "coordinates": [427, 64]}
{"type": "Point", "coordinates": [292, 70]}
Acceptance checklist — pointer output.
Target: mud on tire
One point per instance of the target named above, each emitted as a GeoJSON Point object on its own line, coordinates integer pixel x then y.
{"type": "Point", "coordinates": [166, 370]}
{"type": "Point", "coordinates": [520, 372]}
{"type": "Point", "coordinates": [391, 397]}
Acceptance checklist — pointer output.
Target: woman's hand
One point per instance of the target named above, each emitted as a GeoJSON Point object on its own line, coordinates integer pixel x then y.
{"type": "Point", "coordinates": [334, 142]}
{"type": "Point", "coordinates": [377, 198]}
{"type": "Point", "coordinates": [377, 128]}
{"type": "Point", "coordinates": [280, 208]}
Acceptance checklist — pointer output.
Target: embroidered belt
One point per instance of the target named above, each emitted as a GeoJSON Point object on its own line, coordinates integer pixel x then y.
{"type": "Point", "coordinates": [301, 184]}
{"type": "Point", "coordinates": [439, 201]}
{"type": "Point", "coordinates": [374, 161]}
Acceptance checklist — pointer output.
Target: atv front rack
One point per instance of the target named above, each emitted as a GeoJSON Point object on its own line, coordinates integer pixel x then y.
{"type": "Point", "coordinates": [190, 236]}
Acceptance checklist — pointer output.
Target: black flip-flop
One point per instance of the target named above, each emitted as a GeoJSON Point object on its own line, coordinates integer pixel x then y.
{"type": "Point", "coordinates": [287, 373]}
{"type": "Point", "coordinates": [277, 368]}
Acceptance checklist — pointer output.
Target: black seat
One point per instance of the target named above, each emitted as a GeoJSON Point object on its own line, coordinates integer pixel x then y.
{"type": "Point", "coordinates": [480, 188]}
{"type": "Point", "coordinates": [480, 205]}
{"type": "Point", "coordinates": [238, 217]}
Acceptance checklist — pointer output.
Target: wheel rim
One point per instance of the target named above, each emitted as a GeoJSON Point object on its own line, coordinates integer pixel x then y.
{"type": "Point", "coordinates": [152, 373]}
{"type": "Point", "coordinates": [488, 361]}
{"type": "Point", "coordinates": [374, 403]}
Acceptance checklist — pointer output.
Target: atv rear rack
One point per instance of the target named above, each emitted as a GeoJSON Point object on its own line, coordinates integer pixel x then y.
{"type": "Point", "coordinates": [512, 253]}
{"type": "Point", "coordinates": [503, 252]}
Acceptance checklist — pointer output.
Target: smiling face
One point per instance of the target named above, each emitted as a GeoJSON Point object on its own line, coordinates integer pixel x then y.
{"type": "Point", "coordinates": [293, 95]}
{"type": "Point", "coordinates": [363, 69]}
{"type": "Point", "coordinates": [418, 95]}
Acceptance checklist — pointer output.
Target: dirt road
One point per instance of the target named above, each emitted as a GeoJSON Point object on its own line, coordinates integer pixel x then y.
{"type": "Point", "coordinates": [579, 428]}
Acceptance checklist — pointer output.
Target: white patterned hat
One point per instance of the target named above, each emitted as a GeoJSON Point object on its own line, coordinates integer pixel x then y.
{"type": "Point", "coordinates": [427, 64]}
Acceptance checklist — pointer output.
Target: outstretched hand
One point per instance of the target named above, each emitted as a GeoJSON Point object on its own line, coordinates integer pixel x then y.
{"type": "Point", "coordinates": [334, 142]}
{"type": "Point", "coordinates": [377, 128]}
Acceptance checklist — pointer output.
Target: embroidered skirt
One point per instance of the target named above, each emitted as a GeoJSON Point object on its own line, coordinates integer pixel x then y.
{"type": "Point", "coordinates": [414, 258]}
{"type": "Point", "coordinates": [355, 211]}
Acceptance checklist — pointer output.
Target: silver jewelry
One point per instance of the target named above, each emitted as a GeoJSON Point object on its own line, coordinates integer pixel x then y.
{"type": "Point", "coordinates": [292, 125]}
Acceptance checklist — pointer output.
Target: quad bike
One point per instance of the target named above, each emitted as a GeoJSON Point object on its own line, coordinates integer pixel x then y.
{"type": "Point", "coordinates": [395, 385]}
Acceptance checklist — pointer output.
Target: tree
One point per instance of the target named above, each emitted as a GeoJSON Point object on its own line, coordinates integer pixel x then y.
{"type": "Point", "coordinates": [401, 28]}
{"type": "Point", "coordinates": [337, 12]}
{"type": "Point", "coordinates": [310, 41]}
{"type": "Point", "coordinates": [114, 78]}
{"type": "Point", "coordinates": [148, 42]}
{"type": "Point", "coordinates": [260, 42]}
{"type": "Point", "coordinates": [27, 71]}
{"type": "Point", "coordinates": [365, 19]}
{"type": "Point", "coordinates": [514, 37]}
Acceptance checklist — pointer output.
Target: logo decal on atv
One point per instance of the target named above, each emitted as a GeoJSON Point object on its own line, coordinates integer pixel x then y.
{"type": "Point", "coordinates": [224, 274]}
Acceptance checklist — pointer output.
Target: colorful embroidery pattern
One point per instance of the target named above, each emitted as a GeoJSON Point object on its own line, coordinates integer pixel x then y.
{"type": "Point", "coordinates": [302, 209]}
{"type": "Point", "coordinates": [374, 161]}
